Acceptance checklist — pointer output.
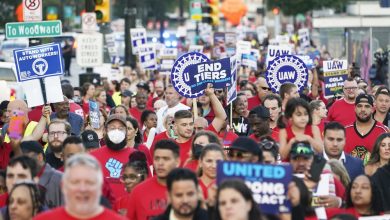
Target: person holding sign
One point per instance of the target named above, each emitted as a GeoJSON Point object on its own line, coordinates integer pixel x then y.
{"type": "Point", "coordinates": [298, 127]}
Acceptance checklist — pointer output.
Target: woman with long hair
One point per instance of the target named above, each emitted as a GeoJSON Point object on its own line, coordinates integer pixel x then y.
{"type": "Point", "coordinates": [24, 201]}
{"type": "Point", "coordinates": [380, 155]}
{"type": "Point", "coordinates": [207, 170]}
{"type": "Point", "coordinates": [134, 138]}
{"type": "Point", "coordinates": [199, 140]}
{"type": "Point", "coordinates": [235, 202]}
{"type": "Point", "coordinates": [87, 92]}
{"type": "Point", "coordinates": [100, 97]}
{"type": "Point", "coordinates": [99, 131]}
{"type": "Point", "coordinates": [319, 114]}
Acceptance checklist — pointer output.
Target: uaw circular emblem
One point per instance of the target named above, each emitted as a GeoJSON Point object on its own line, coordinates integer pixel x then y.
{"type": "Point", "coordinates": [179, 75]}
{"type": "Point", "coordinates": [287, 68]}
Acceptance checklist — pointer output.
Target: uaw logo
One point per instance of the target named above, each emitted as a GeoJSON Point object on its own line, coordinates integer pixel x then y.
{"type": "Point", "coordinates": [287, 68]}
{"type": "Point", "coordinates": [40, 66]}
{"type": "Point", "coordinates": [179, 76]}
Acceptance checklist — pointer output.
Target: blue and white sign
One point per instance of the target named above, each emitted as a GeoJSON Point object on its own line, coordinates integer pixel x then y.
{"type": "Point", "coordinates": [287, 68]}
{"type": "Point", "coordinates": [38, 62]}
{"type": "Point", "coordinates": [307, 60]}
{"type": "Point", "coordinates": [335, 73]}
{"type": "Point", "coordinates": [304, 37]}
{"type": "Point", "coordinates": [232, 89]}
{"type": "Point", "coordinates": [277, 51]}
{"type": "Point", "coordinates": [269, 183]}
{"type": "Point", "coordinates": [94, 116]}
{"type": "Point", "coordinates": [249, 60]}
{"type": "Point", "coordinates": [138, 38]}
{"type": "Point", "coordinates": [147, 56]}
{"type": "Point", "coordinates": [190, 77]}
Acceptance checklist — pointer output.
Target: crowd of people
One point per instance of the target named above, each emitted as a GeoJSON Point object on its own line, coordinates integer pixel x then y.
{"type": "Point", "coordinates": [150, 157]}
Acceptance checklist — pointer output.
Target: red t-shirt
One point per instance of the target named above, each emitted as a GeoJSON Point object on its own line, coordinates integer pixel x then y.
{"type": "Point", "coordinates": [192, 165]}
{"type": "Point", "coordinates": [76, 108]}
{"type": "Point", "coordinates": [60, 213]}
{"type": "Point", "coordinates": [274, 135]}
{"type": "Point", "coordinates": [185, 149]}
{"type": "Point", "coordinates": [112, 163]}
{"type": "Point", "coordinates": [161, 136]}
{"type": "Point", "coordinates": [3, 199]}
{"type": "Point", "coordinates": [148, 199]}
{"type": "Point", "coordinates": [144, 149]}
{"type": "Point", "coordinates": [36, 113]}
{"type": "Point", "coordinates": [361, 145]}
{"type": "Point", "coordinates": [291, 135]}
{"type": "Point", "coordinates": [5, 150]}
{"type": "Point", "coordinates": [227, 138]}
{"type": "Point", "coordinates": [136, 113]}
{"type": "Point", "coordinates": [253, 102]}
{"type": "Point", "coordinates": [85, 107]}
{"type": "Point", "coordinates": [122, 204]}
{"type": "Point", "coordinates": [205, 188]}
{"type": "Point", "coordinates": [342, 112]}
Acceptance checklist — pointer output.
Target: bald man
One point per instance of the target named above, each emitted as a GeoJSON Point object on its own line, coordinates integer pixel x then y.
{"type": "Point", "coordinates": [200, 124]}
{"type": "Point", "coordinates": [262, 90]}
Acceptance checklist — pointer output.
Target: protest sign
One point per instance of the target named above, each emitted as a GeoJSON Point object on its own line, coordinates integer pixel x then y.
{"type": "Point", "coordinates": [38, 62]}
{"type": "Point", "coordinates": [377, 217]}
{"type": "Point", "coordinates": [277, 51]}
{"type": "Point", "coordinates": [35, 95]}
{"type": "Point", "coordinates": [304, 37]}
{"type": "Point", "coordinates": [147, 56]}
{"type": "Point", "coordinates": [232, 89]}
{"type": "Point", "coordinates": [335, 73]}
{"type": "Point", "coordinates": [282, 39]}
{"type": "Point", "coordinates": [286, 68]}
{"type": "Point", "coordinates": [190, 77]}
{"type": "Point", "coordinates": [243, 47]}
{"type": "Point", "coordinates": [307, 60]}
{"type": "Point", "coordinates": [138, 38]}
{"type": "Point", "coordinates": [249, 60]}
{"type": "Point", "coordinates": [269, 183]}
{"type": "Point", "coordinates": [262, 33]}
{"type": "Point", "coordinates": [166, 59]}
{"type": "Point", "coordinates": [94, 114]}
{"type": "Point", "coordinates": [224, 45]}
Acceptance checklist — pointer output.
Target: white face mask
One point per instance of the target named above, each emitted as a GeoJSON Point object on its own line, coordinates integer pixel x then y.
{"type": "Point", "coordinates": [116, 136]}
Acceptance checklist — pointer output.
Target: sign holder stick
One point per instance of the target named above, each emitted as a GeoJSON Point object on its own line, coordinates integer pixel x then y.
{"type": "Point", "coordinates": [195, 108]}
{"type": "Point", "coordinates": [43, 89]}
{"type": "Point", "coordinates": [231, 115]}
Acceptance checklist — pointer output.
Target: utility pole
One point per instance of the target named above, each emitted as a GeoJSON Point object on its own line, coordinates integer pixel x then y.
{"type": "Point", "coordinates": [89, 7]}
{"type": "Point", "coordinates": [130, 16]}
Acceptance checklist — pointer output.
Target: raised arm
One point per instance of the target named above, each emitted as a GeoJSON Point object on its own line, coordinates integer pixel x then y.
{"type": "Point", "coordinates": [216, 105]}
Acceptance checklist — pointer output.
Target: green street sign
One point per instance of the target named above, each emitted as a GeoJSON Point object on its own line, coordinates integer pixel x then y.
{"type": "Point", "coordinates": [33, 29]}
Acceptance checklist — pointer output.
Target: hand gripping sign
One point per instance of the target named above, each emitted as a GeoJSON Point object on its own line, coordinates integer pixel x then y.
{"type": "Point", "coordinates": [287, 68]}
{"type": "Point", "coordinates": [193, 71]}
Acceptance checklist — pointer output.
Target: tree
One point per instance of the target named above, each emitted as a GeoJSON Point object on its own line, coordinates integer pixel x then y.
{"type": "Point", "coordinates": [295, 7]}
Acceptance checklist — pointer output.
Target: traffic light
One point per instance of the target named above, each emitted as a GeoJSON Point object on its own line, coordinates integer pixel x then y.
{"type": "Point", "coordinates": [102, 10]}
{"type": "Point", "coordinates": [211, 12]}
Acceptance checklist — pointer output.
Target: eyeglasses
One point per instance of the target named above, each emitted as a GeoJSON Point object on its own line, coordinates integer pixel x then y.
{"type": "Point", "coordinates": [131, 177]}
{"type": "Point", "coordinates": [218, 91]}
{"type": "Point", "coordinates": [266, 88]}
{"type": "Point", "coordinates": [58, 133]}
{"type": "Point", "coordinates": [350, 88]}
{"type": "Point", "coordinates": [267, 145]}
{"type": "Point", "coordinates": [238, 154]}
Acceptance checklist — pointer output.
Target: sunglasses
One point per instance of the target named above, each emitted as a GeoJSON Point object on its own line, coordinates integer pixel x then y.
{"type": "Point", "coordinates": [238, 154]}
{"type": "Point", "coordinates": [266, 88]}
{"type": "Point", "coordinates": [267, 145]}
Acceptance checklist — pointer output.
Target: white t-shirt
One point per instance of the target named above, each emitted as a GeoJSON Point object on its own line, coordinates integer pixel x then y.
{"type": "Point", "coordinates": [164, 111]}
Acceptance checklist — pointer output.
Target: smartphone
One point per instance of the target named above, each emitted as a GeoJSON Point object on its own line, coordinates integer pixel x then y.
{"type": "Point", "coordinates": [316, 168]}
{"type": "Point", "coordinates": [16, 125]}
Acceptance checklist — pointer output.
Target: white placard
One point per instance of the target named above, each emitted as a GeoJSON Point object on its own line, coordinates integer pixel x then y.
{"type": "Point", "coordinates": [195, 48]}
{"type": "Point", "coordinates": [147, 56]}
{"type": "Point", "coordinates": [304, 37]}
{"type": "Point", "coordinates": [334, 65]}
{"type": "Point", "coordinates": [32, 10]}
{"type": "Point", "coordinates": [262, 33]}
{"type": "Point", "coordinates": [89, 51]}
{"type": "Point", "coordinates": [378, 217]}
{"type": "Point", "coordinates": [276, 51]}
{"type": "Point", "coordinates": [88, 22]}
{"type": "Point", "coordinates": [138, 38]}
{"type": "Point", "coordinates": [34, 95]}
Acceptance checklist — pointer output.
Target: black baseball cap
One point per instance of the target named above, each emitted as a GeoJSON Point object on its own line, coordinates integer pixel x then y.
{"type": "Point", "coordinates": [143, 85]}
{"type": "Point", "coordinates": [260, 111]}
{"type": "Point", "coordinates": [246, 144]}
{"type": "Point", "coordinates": [301, 148]}
{"type": "Point", "coordinates": [126, 93]}
{"type": "Point", "coordinates": [90, 139]}
{"type": "Point", "coordinates": [31, 146]}
{"type": "Point", "coordinates": [364, 98]}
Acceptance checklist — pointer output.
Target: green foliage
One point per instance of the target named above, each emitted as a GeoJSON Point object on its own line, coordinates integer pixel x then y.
{"type": "Point", "coordinates": [294, 7]}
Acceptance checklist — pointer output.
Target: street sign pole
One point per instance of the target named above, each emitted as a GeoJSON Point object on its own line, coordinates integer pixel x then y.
{"type": "Point", "coordinates": [89, 7]}
{"type": "Point", "coordinates": [130, 13]}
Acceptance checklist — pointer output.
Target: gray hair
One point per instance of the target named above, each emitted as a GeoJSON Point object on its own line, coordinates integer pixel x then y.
{"type": "Point", "coordinates": [86, 160]}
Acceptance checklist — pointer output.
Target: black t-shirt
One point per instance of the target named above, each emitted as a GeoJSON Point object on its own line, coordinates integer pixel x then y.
{"type": "Point", "coordinates": [54, 162]}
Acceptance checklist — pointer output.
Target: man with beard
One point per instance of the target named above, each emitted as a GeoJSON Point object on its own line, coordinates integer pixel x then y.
{"type": "Point", "coordinates": [341, 110]}
{"type": "Point", "coordinates": [183, 196]}
{"type": "Point", "coordinates": [362, 134]}
{"type": "Point", "coordinates": [115, 154]}
{"type": "Point", "coordinates": [141, 98]}
{"type": "Point", "coordinates": [58, 130]}
{"type": "Point", "coordinates": [382, 105]}
{"type": "Point", "coordinates": [158, 93]}
{"type": "Point", "coordinates": [62, 112]}
{"type": "Point", "coordinates": [259, 120]}
{"type": "Point", "coordinates": [172, 98]}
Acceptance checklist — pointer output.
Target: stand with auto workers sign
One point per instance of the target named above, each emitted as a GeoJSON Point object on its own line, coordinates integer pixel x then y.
{"type": "Point", "coordinates": [36, 64]}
